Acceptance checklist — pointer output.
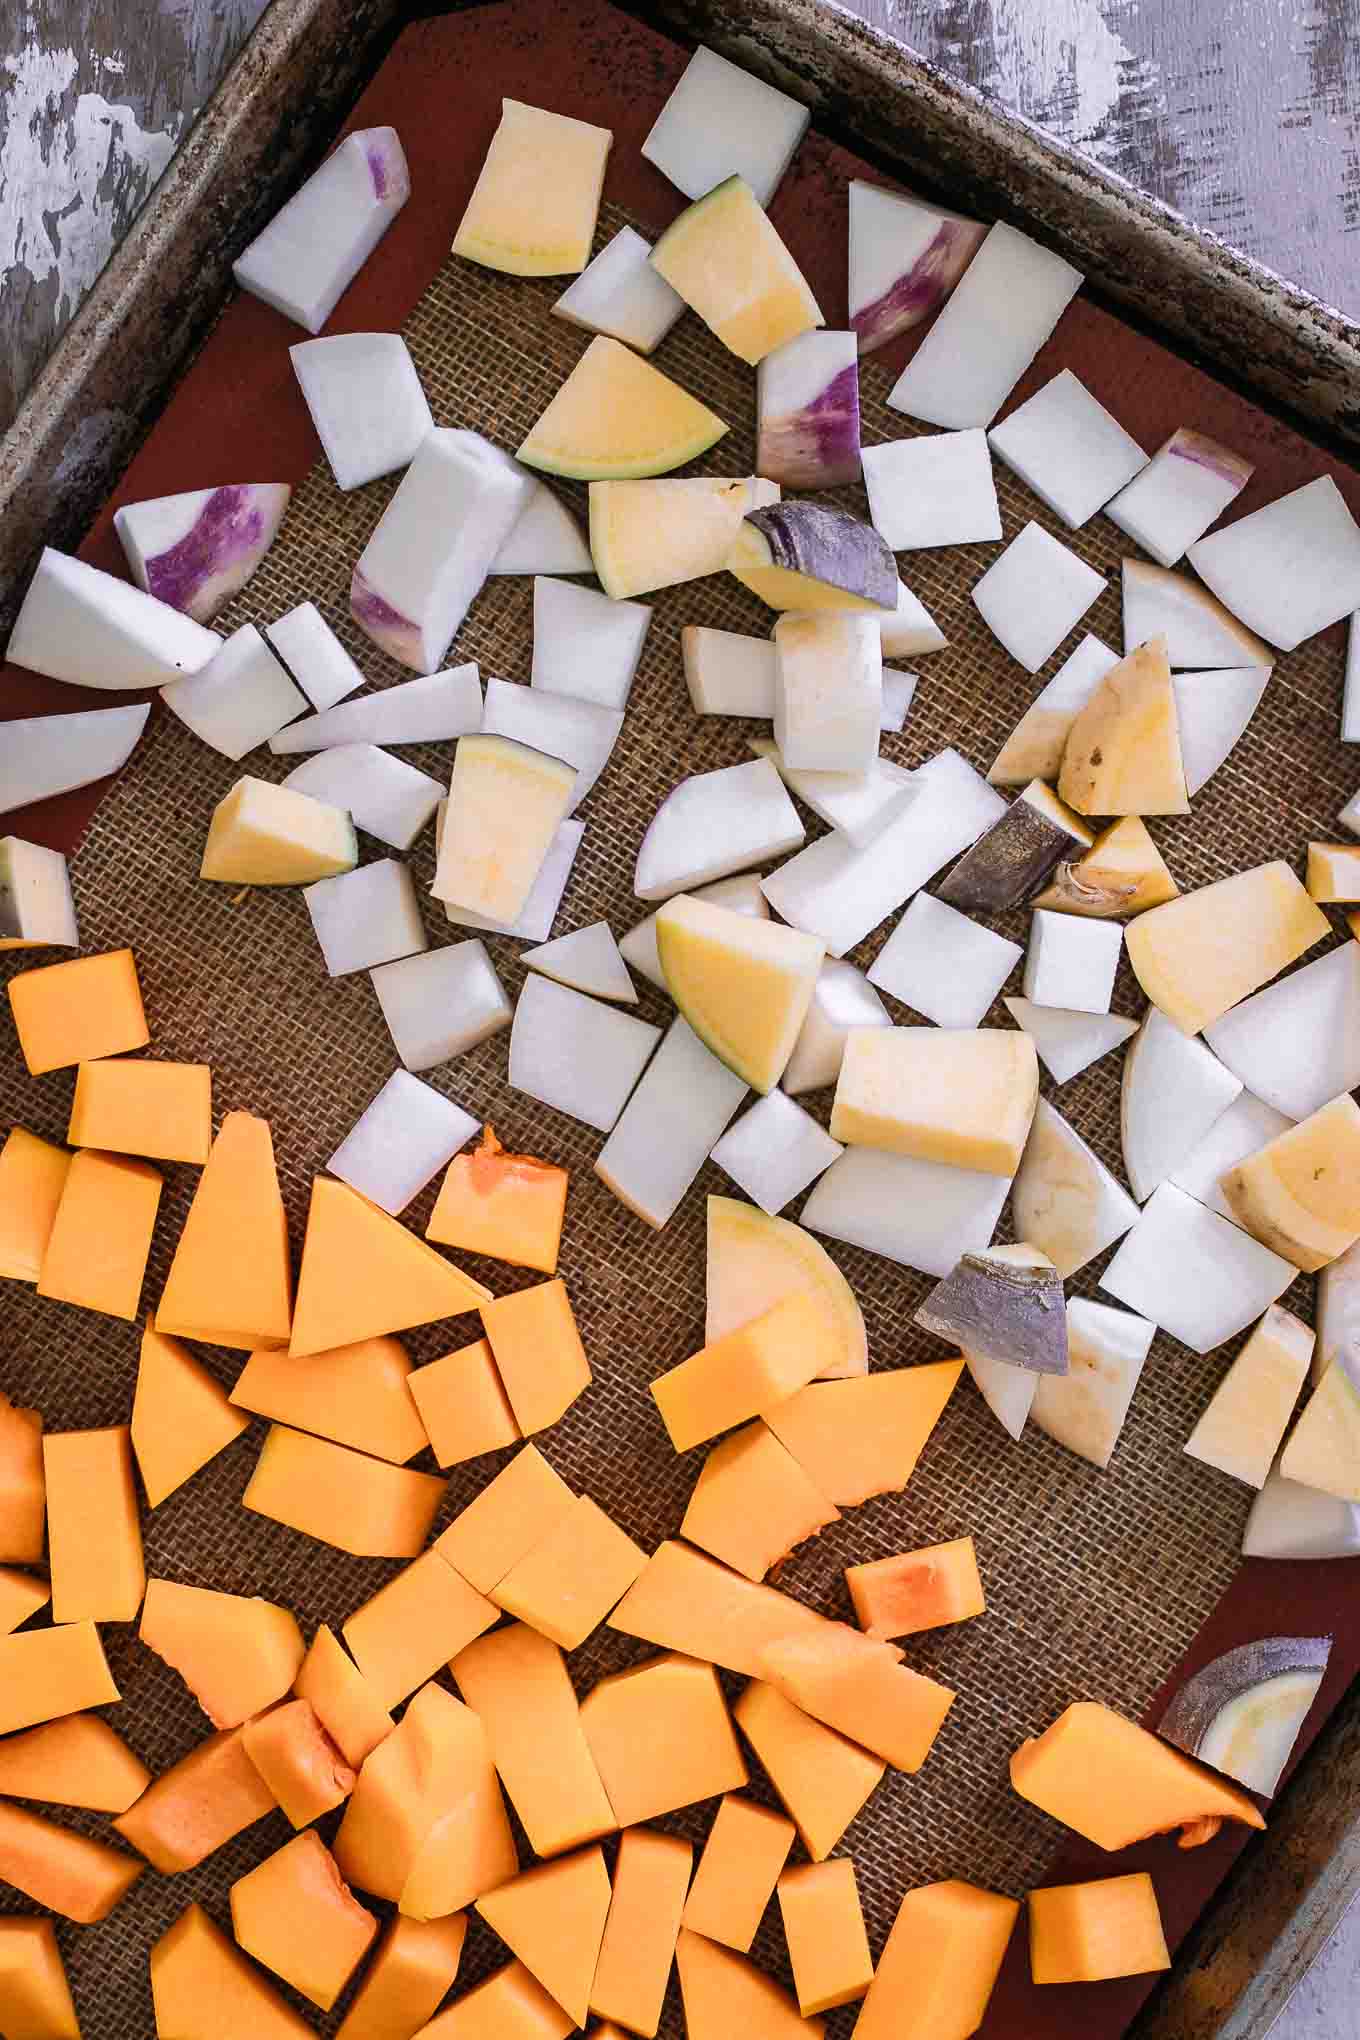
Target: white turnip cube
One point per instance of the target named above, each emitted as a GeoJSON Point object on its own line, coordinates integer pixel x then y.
{"type": "Point", "coordinates": [239, 699]}
{"type": "Point", "coordinates": [1071, 962]}
{"type": "Point", "coordinates": [365, 917]}
{"type": "Point", "coordinates": [1065, 445]}
{"type": "Point", "coordinates": [401, 1142]}
{"type": "Point", "coordinates": [80, 624]}
{"type": "Point", "coordinates": [1004, 307]}
{"type": "Point", "coordinates": [620, 294]}
{"type": "Point", "coordinates": [775, 1150]}
{"type": "Point", "coordinates": [575, 1054]}
{"type": "Point", "coordinates": [435, 709]}
{"type": "Point", "coordinates": [905, 258]}
{"type": "Point", "coordinates": [842, 999]}
{"type": "Point", "coordinates": [383, 796]}
{"type": "Point", "coordinates": [720, 122]}
{"type": "Point", "coordinates": [586, 645]}
{"type": "Point", "coordinates": [580, 732]}
{"type": "Point", "coordinates": [544, 539]}
{"type": "Point", "coordinates": [1034, 594]}
{"type": "Point", "coordinates": [1190, 1271]}
{"type": "Point", "coordinates": [728, 674]}
{"type": "Point", "coordinates": [942, 964]}
{"type": "Point", "coordinates": [1289, 569]}
{"type": "Point", "coordinates": [828, 697]}
{"type": "Point", "coordinates": [682, 1103]}
{"type": "Point", "coordinates": [1350, 707]}
{"type": "Point", "coordinates": [312, 250]}
{"type": "Point", "coordinates": [314, 656]}
{"type": "Point", "coordinates": [713, 824]}
{"type": "Point", "coordinates": [536, 917]}
{"type": "Point", "coordinates": [934, 490]}
{"type": "Point", "coordinates": [195, 551]}
{"type": "Point", "coordinates": [924, 1215]}
{"type": "Point", "coordinates": [899, 691]}
{"type": "Point", "coordinates": [36, 907]}
{"type": "Point", "coordinates": [366, 401]}
{"type": "Point", "coordinates": [860, 805]}
{"type": "Point", "coordinates": [45, 755]}
{"type": "Point", "coordinates": [441, 1003]}
{"type": "Point", "coordinates": [1296, 1043]}
{"type": "Point", "coordinates": [1185, 487]}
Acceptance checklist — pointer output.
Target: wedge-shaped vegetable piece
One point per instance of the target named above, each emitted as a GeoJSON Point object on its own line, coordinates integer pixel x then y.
{"type": "Point", "coordinates": [822, 1778]}
{"type": "Point", "coordinates": [1337, 1301]}
{"type": "Point", "coordinates": [651, 1874]}
{"type": "Point", "coordinates": [295, 1914]}
{"type": "Point", "coordinates": [210, 1795]}
{"type": "Point", "coordinates": [747, 1373]}
{"type": "Point", "coordinates": [944, 965]}
{"type": "Point", "coordinates": [1199, 631]}
{"type": "Point", "coordinates": [80, 624]}
{"type": "Point", "coordinates": [742, 894]}
{"type": "Point", "coordinates": [747, 1848]}
{"type": "Point", "coordinates": [35, 1998]}
{"type": "Point", "coordinates": [342, 1698]}
{"type": "Point", "coordinates": [755, 1261]}
{"type": "Point", "coordinates": [1172, 1091]}
{"type": "Point", "coordinates": [1288, 1520]}
{"type": "Point", "coordinates": [842, 999]}
{"type": "Point", "coordinates": [65, 1873]}
{"type": "Point", "coordinates": [858, 1686]}
{"type": "Point", "coordinates": [94, 1538]}
{"type": "Point", "coordinates": [21, 1595]}
{"type": "Point", "coordinates": [824, 1929]}
{"type": "Point", "coordinates": [553, 1919]}
{"type": "Point", "coordinates": [1297, 1044]}
{"type": "Point", "coordinates": [75, 1012]}
{"type": "Point", "coordinates": [1122, 874]}
{"type": "Point", "coordinates": [723, 1993]}
{"type": "Point", "coordinates": [855, 1439]}
{"type": "Point", "coordinates": [917, 1590]}
{"type": "Point", "coordinates": [46, 1673]}
{"type": "Point", "coordinates": [510, 1207]}
{"type": "Point", "coordinates": [744, 985]}
{"type": "Point", "coordinates": [362, 1505]}
{"type": "Point", "coordinates": [312, 250]}
{"type": "Point", "coordinates": [544, 539]}
{"type": "Point", "coordinates": [1008, 1391]}
{"type": "Point", "coordinates": [621, 295]}
{"type": "Point", "coordinates": [807, 395]}
{"type": "Point", "coordinates": [1185, 487]}
{"type": "Point", "coordinates": [687, 1602]}
{"type": "Point", "coordinates": [1066, 1202]}
{"type": "Point", "coordinates": [568, 1583]}
{"type": "Point", "coordinates": [726, 260]}
{"type": "Point", "coordinates": [1289, 569]}
{"type": "Point", "coordinates": [579, 734]}
{"type": "Point", "coordinates": [414, 1625]}
{"type": "Point", "coordinates": [1114, 1783]}
{"type": "Point", "coordinates": [239, 698]}
{"type": "Point", "coordinates": [406, 1982]}
{"type": "Point", "coordinates": [1034, 748]}
{"type": "Point", "coordinates": [98, 1247]}
{"type": "Point", "coordinates": [807, 556]}
{"type": "Point", "coordinates": [200, 1983]}
{"type": "Point", "coordinates": [1202, 953]}
{"type": "Point", "coordinates": [400, 1142]}
{"type": "Point", "coordinates": [508, 2004]}
{"type": "Point", "coordinates": [356, 1395]}
{"type": "Point", "coordinates": [36, 908]}
{"type": "Point", "coordinates": [587, 960]}
{"type": "Point", "coordinates": [75, 1761]}
{"type": "Point", "coordinates": [195, 551]}
{"type": "Point", "coordinates": [535, 922]}
{"type": "Point", "coordinates": [298, 1761]}
{"type": "Point", "coordinates": [1123, 752]}
{"type": "Point", "coordinates": [653, 534]}
{"type": "Point", "coordinates": [940, 1963]}
{"type": "Point", "coordinates": [507, 1519]}
{"type": "Point", "coordinates": [50, 754]}
{"type": "Point", "coordinates": [661, 1738]}
{"type": "Point", "coordinates": [1213, 710]}
{"type": "Point", "coordinates": [538, 1352]}
{"type": "Point", "coordinates": [721, 121]}
{"type": "Point", "coordinates": [617, 416]}
{"type": "Point", "coordinates": [775, 1150]}
{"type": "Point", "coordinates": [752, 1503]}
{"type": "Point", "coordinates": [922, 1214]}
{"type": "Point", "coordinates": [532, 210]}
{"type": "Point", "coordinates": [1243, 1711]}
{"type": "Point", "coordinates": [1067, 448]}
{"type": "Point", "coordinates": [230, 1283]}
{"type": "Point", "coordinates": [859, 805]}
{"type": "Point", "coordinates": [364, 1275]}
{"type": "Point", "coordinates": [1091, 1933]}
{"type": "Point", "coordinates": [728, 673]}
{"type": "Point", "coordinates": [1085, 1408]}
{"type": "Point", "coordinates": [1333, 873]}
{"type": "Point", "coordinates": [1006, 1305]}
{"type": "Point", "coordinates": [713, 824]}
{"type": "Point", "coordinates": [1300, 1193]}
{"type": "Point", "coordinates": [261, 834]}
{"type": "Point", "coordinates": [1068, 1042]}
{"type": "Point", "coordinates": [908, 631]}
{"type": "Point", "coordinates": [1324, 1446]}
{"type": "Point", "coordinates": [828, 701]}
{"type": "Point", "coordinates": [236, 1655]}
{"type": "Point", "coordinates": [668, 1127]}
{"type": "Point", "coordinates": [382, 795]}
{"type": "Point", "coordinates": [1033, 595]}
{"type": "Point", "coordinates": [429, 710]}
{"type": "Point", "coordinates": [505, 804]}
{"type": "Point", "coordinates": [905, 259]}
{"type": "Point", "coordinates": [1014, 857]}
{"type": "Point", "coordinates": [961, 1096]}
{"type": "Point", "coordinates": [1193, 1273]}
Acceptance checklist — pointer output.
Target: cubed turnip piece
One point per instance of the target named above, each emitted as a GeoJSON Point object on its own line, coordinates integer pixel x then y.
{"type": "Point", "coordinates": [1287, 570]}
{"type": "Point", "coordinates": [1172, 1093]}
{"type": "Point", "coordinates": [828, 697]}
{"type": "Point", "coordinates": [312, 250]}
{"type": "Point", "coordinates": [1194, 1274]}
{"type": "Point", "coordinates": [1006, 304]}
{"type": "Point", "coordinates": [943, 965]}
{"type": "Point", "coordinates": [1034, 594]}
{"type": "Point", "coordinates": [1212, 711]}
{"type": "Point", "coordinates": [905, 259]}
{"type": "Point", "coordinates": [1068, 1042]}
{"type": "Point", "coordinates": [575, 1054]}
{"type": "Point", "coordinates": [45, 755]}
{"type": "Point", "coordinates": [683, 1101]}
{"type": "Point", "coordinates": [534, 922]}
{"type": "Point", "coordinates": [384, 796]}
{"type": "Point", "coordinates": [366, 401]}
{"type": "Point", "coordinates": [1199, 631]}
{"type": "Point", "coordinates": [742, 894]}
{"type": "Point", "coordinates": [1065, 445]}
{"type": "Point", "coordinates": [720, 122]}
{"type": "Point", "coordinates": [1350, 708]}
{"type": "Point", "coordinates": [899, 691]}
{"type": "Point", "coordinates": [587, 960]}
{"type": "Point", "coordinates": [197, 550]}
{"type": "Point", "coordinates": [315, 657]}
{"type": "Point", "coordinates": [808, 556]}
{"type": "Point", "coordinates": [1297, 1043]}
{"type": "Point", "coordinates": [842, 999]}
{"type": "Point", "coordinates": [581, 733]}
{"type": "Point", "coordinates": [859, 805]}
{"type": "Point", "coordinates": [620, 294]}
{"type": "Point", "coordinates": [365, 917]}
{"type": "Point", "coordinates": [727, 673]}
{"type": "Point", "coordinates": [586, 645]}
{"type": "Point", "coordinates": [936, 489]}
{"type": "Point", "coordinates": [1070, 962]}
{"type": "Point", "coordinates": [924, 1215]}
{"type": "Point", "coordinates": [775, 1150]}
{"type": "Point", "coordinates": [544, 539]}
{"type": "Point", "coordinates": [401, 1141]}
{"type": "Point", "coordinates": [435, 709]}
{"type": "Point", "coordinates": [239, 699]}
{"type": "Point", "coordinates": [1185, 487]}
{"type": "Point", "coordinates": [80, 624]}
{"type": "Point", "coordinates": [908, 630]}
{"type": "Point", "coordinates": [442, 1003]}
{"type": "Point", "coordinates": [713, 824]}
{"type": "Point", "coordinates": [1246, 1126]}
{"type": "Point", "coordinates": [807, 409]}
{"type": "Point", "coordinates": [1034, 748]}
{"type": "Point", "coordinates": [433, 546]}
{"type": "Point", "coordinates": [36, 908]}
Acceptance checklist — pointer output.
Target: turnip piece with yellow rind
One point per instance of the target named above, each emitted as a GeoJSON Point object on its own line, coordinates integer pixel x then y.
{"type": "Point", "coordinates": [533, 208]}
{"type": "Point", "coordinates": [1122, 874]}
{"type": "Point", "coordinates": [755, 1260]}
{"type": "Point", "coordinates": [808, 556]}
{"type": "Point", "coordinates": [654, 534]}
{"type": "Point", "coordinates": [1123, 751]}
{"type": "Point", "coordinates": [617, 417]}
{"type": "Point", "coordinates": [506, 802]}
{"type": "Point", "coordinates": [580, 733]}
{"type": "Point", "coordinates": [535, 919]}
{"type": "Point", "coordinates": [1034, 748]}
{"type": "Point", "coordinates": [1300, 1193]}
{"type": "Point", "coordinates": [729, 264]}
{"type": "Point", "coordinates": [262, 834]}
{"type": "Point", "coordinates": [743, 985]}
{"type": "Point", "coordinates": [1240, 1431]}
{"type": "Point", "coordinates": [1085, 1408]}
{"type": "Point", "coordinates": [742, 894]}
{"type": "Point", "coordinates": [961, 1096]}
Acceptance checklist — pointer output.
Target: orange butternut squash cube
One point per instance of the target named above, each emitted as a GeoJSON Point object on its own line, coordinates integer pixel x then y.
{"type": "Point", "coordinates": [508, 2006]}
{"type": "Point", "coordinates": [407, 1980]}
{"type": "Point", "coordinates": [863, 1437]}
{"type": "Point", "coordinates": [295, 1914]}
{"type": "Point", "coordinates": [661, 1738]}
{"type": "Point", "coordinates": [822, 1778]}
{"type": "Point", "coordinates": [749, 1371]}
{"type": "Point", "coordinates": [345, 1704]}
{"type": "Point", "coordinates": [35, 1998]}
{"type": "Point", "coordinates": [357, 1395]}
{"type": "Point", "coordinates": [509, 1517]}
{"type": "Point", "coordinates": [21, 1595]}
{"type": "Point", "coordinates": [686, 1601]}
{"type": "Point", "coordinates": [860, 1687]}
{"type": "Point", "coordinates": [463, 1405]}
{"type": "Point", "coordinates": [361, 1505]}
{"type": "Point", "coordinates": [363, 1275]}
{"type": "Point", "coordinates": [651, 1875]}
{"type": "Point", "coordinates": [66, 1873]}
{"type": "Point", "coordinates": [824, 1928]}
{"type": "Point", "coordinates": [517, 1683]}
{"type": "Point", "coordinates": [752, 1503]}
{"type": "Point", "coordinates": [237, 1655]}
{"type": "Point", "coordinates": [1114, 1783]}
{"type": "Point", "coordinates": [45, 1673]}
{"type": "Point", "coordinates": [746, 1850]}
{"type": "Point", "coordinates": [552, 1919]}
{"type": "Point", "coordinates": [23, 1496]}
{"type": "Point", "coordinates": [231, 1282]}
{"type": "Point", "coordinates": [538, 1353]}
{"type": "Point", "coordinates": [508, 1207]}
{"type": "Point", "coordinates": [181, 1417]}
{"type": "Point", "coordinates": [75, 1012]}
{"type": "Point", "coordinates": [940, 1963]}
{"type": "Point", "coordinates": [1090, 1933]}
{"type": "Point", "coordinates": [724, 1994]}
{"type": "Point", "coordinates": [94, 1535]}
{"type": "Point", "coordinates": [200, 1984]}
{"type": "Point", "coordinates": [77, 1761]}
{"type": "Point", "coordinates": [209, 1796]}
{"type": "Point", "coordinates": [298, 1761]}
{"type": "Point", "coordinates": [566, 1585]}
{"type": "Point", "coordinates": [32, 1178]}
{"type": "Point", "coordinates": [100, 1240]}
{"type": "Point", "coordinates": [917, 1590]}
{"type": "Point", "coordinates": [411, 1627]}
{"type": "Point", "coordinates": [162, 1110]}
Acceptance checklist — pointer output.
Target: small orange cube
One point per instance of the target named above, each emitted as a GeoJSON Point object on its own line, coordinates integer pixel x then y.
{"type": "Point", "coordinates": [538, 1351]}
{"type": "Point", "coordinates": [1091, 1933]}
{"type": "Point", "coordinates": [76, 1012]}
{"type": "Point", "coordinates": [463, 1405]}
{"type": "Point", "coordinates": [295, 1914]}
{"type": "Point", "coordinates": [824, 1928]}
{"type": "Point", "coordinates": [917, 1590]}
{"type": "Point", "coordinates": [162, 1110]}
{"type": "Point", "coordinates": [746, 1850]}
{"type": "Point", "coordinates": [512, 1514]}
{"type": "Point", "coordinates": [101, 1236]}
{"type": "Point", "coordinates": [509, 1207]}
{"type": "Point", "coordinates": [32, 1178]}
{"type": "Point", "coordinates": [566, 1586]}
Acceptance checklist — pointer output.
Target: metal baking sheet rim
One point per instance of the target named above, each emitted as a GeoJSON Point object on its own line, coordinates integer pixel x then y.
{"type": "Point", "coordinates": [288, 91]}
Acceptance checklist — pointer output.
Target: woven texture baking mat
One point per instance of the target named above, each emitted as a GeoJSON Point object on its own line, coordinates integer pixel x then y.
{"type": "Point", "coordinates": [1095, 1582]}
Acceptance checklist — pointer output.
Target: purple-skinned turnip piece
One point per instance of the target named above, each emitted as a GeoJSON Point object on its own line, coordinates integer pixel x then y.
{"type": "Point", "coordinates": [1065, 445]}
{"type": "Point", "coordinates": [1005, 1304]}
{"type": "Point", "coordinates": [239, 699]}
{"type": "Point", "coordinates": [1033, 595]}
{"type": "Point", "coordinates": [197, 550]}
{"type": "Point", "coordinates": [620, 294]}
{"type": "Point", "coordinates": [807, 402]}
{"type": "Point", "coordinates": [1243, 1711]}
{"type": "Point", "coordinates": [722, 122]}
{"type": "Point", "coordinates": [80, 624]}
{"type": "Point", "coordinates": [1185, 487]}
{"type": "Point", "coordinates": [314, 656]}
{"type": "Point", "coordinates": [1200, 633]}
{"type": "Point", "coordinates": [51, 754]}
{"type": "Point", "coordinates": [312, 250]}
{"type": "Point", "coordinates": [805, 556]}
{"type": "Point", "coordinates": [936, 489]}
{"type": "Point", "coordinates": [905, 259]}
{"type": "Point", "coordinates": [1288, 570]}
{"type": "Point", "coordinates": [366, 402]}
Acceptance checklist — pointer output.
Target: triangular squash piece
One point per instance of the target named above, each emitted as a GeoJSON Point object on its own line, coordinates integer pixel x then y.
{"type": "Point", "coordinates": [743, 985]}
{"type": "Point", "coordinates": [1122, 874]}
{"type": "Point", "coordinates": [1123, 752]}
{"type": "Point", "coordinates": [237, 1654]}
{"type": "Point", "coordinates": [553, 1919]}
{"type": "Point", "coordinates": [616, 415]}
{"type": "Point", "coordinates": [724, 1994]}
{"type": "Point", "coordinates": [21, 1595]}
{"type": "Point", "coordinates": [363, 1275]}
{"type": "Point", "coordinates": [181, 1417]}
{"type": "Point", "coordinates": [230, 1283]}
{"type": "Point", "coordinates": [859, 1686]}
{"type": "Point", "coordinates": [200, 1983]}
{"type": "Point", "coordinates": [355, 1396]}
{"type": "Point", "coordinates": [863, 1437]}
{"type": "Point", "coordinates": [1115, 1783]}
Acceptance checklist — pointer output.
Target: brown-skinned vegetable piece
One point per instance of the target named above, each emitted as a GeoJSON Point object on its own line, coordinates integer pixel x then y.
{"type": "Point", "coordinates": [1017, 854]}
{"type": "Point", "coordinates": [1007, 1305]}
{"type": "Point", "coordinates": [1209, 1717]}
